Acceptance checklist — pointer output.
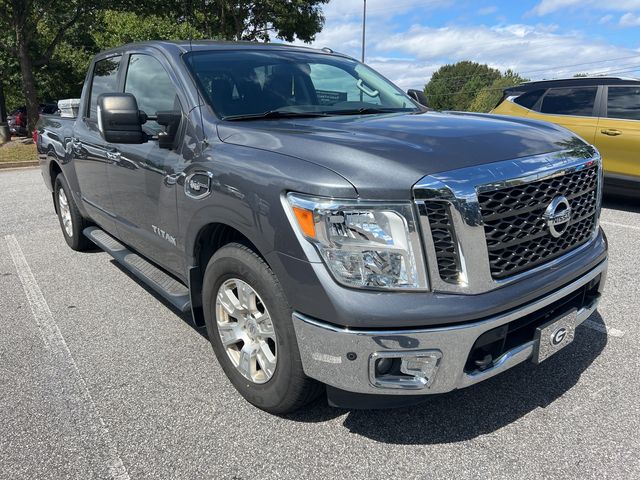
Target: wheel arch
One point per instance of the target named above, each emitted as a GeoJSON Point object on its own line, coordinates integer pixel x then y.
{"type": "Point", "coordinates": [54, 170]}
{"type": "Point", "coordinates": [209, 239]}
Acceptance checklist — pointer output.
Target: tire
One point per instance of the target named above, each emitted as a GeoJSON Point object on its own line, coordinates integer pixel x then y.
{"type": "Point", "coordinates": [286, 388]}
{"type": "Point", "coordinates": [71, 221]}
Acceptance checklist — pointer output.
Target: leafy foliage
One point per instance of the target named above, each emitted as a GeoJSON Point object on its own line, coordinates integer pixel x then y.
{"type": "Point", "coordinates": [46, 45]}
{"type": "Point", "coordinates": [454, 87]}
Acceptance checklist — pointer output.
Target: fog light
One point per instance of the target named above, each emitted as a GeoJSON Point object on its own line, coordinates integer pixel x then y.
{"type": "Point", "coordinates": [421, 367]}
{"type": "Point", "coordinates": [406, 370]}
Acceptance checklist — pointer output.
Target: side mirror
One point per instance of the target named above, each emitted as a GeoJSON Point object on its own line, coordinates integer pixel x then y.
{"type": "Point", "coordinates": [170, 119]}
{"type": "Point", "coordinates": [119, 119]}
{"type": "Point", "coordinates": [418, 96]}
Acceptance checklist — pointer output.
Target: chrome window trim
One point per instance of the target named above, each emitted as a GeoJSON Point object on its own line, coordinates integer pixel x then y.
{"type": "Point", "coordinates": [460, 189]}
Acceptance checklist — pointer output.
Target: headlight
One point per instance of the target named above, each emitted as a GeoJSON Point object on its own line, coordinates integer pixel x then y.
{"type": "Point", "coordinates": [364, 244]}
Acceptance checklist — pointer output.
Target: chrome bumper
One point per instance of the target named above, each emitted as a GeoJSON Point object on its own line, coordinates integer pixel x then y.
{"type": "Point", "coordinates": [343, 358]}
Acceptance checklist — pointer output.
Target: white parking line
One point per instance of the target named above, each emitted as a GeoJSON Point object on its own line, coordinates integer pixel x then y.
{"type": "Point", "coordinates": [612, 332]}
{"type": "Point", "coordinates": [622, 225]}
{"type": "Point", "coordinates": [59, 350]}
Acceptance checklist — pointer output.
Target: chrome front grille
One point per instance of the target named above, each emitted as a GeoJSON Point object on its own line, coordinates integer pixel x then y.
{"type": "Point", "coordinates": [516, 230]}
{"type": "Point", "coordinates": [484, 227]}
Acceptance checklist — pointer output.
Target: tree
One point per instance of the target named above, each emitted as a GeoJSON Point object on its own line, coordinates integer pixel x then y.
{"type": "Point", "coordinates": [488, 97]}
{"type": "Point", "coordinates": [453, 87]}
{"type": "Point", "coordinates": [27, 20]}
{"type": "Point", "coordinates": [117, 28]}
{"type": "Point", "coordinates": [255, 21]}
{"type": "Point", "coordinates": [49, 43]}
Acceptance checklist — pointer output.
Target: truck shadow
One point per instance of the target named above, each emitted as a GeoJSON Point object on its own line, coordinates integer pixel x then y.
{"type": "Point", "coordinates": [484, 408]}
{"type": "Point", "coordinates": [185, 317]}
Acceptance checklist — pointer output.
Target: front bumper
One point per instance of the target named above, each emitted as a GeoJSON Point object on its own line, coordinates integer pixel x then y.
{"type": "Point", "coordinates": [344, 358]}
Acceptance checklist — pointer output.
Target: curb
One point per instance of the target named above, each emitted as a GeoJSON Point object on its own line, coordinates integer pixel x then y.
{"type": "Point", "coordinates": [6, 165]}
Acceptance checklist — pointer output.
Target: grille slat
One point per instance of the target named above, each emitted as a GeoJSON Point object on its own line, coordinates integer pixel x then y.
{"type": "Point", "coordinates": [517, 236]}
{"type": "Point", "coordinates": [444, 243]}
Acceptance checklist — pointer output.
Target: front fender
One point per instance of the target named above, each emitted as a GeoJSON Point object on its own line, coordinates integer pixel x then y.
{"type": "Point", "coordinates": [247, 185]}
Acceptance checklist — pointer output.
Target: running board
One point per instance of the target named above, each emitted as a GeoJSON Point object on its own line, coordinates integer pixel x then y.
{"type": "Point", "coordinates": [168, 287]}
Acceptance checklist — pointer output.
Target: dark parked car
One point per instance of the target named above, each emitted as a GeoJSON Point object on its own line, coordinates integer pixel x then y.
{"type": "Point", "coordinates": [17, 121]}
{"type": "Point", "coordinates": [327, 229]}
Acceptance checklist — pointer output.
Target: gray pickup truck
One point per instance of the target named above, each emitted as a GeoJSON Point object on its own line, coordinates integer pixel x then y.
{"type": "Point", "coordinates": [331, 233]}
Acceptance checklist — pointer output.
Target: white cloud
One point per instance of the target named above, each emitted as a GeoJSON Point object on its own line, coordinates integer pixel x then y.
{"type": "Point", "coordinates": [550, 6]}
{"type": "Point", "coordinates": [404, 72]}
{"type": "Point", "coordinates": [535, 51]}
{"type": "Point", "coordinates": [409, 55]}
{"type": "Point", "coordinates": [630, 20]}
{"type": "Point", "coordinates": [606, 19]}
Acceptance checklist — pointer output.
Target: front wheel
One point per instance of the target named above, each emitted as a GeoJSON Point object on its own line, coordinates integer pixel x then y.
{"type": "Point", "coordinates": [71, 221]}
{"type": "Point", "coordinates": [249, 325]}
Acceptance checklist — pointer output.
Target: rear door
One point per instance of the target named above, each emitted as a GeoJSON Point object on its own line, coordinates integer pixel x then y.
{"type": "Point", "coordinates": [143, 177]}
{"type": "Point", "coordinates": [618, 133]}
{"type": "Point", "coordinates": [571, 107]}
{"type": "Point", "coordinates": [88, 148]}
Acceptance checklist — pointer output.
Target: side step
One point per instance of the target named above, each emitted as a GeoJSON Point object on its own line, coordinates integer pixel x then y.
{"type": "Point", "coordinates": [168, 287]}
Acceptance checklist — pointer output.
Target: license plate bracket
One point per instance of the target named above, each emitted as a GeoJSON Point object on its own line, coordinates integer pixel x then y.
{"type": "Point", "coordinates": [554, 335]}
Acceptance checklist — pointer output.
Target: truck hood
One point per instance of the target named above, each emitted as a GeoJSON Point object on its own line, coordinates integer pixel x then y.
{"type": "Point", "coordinates": [383, 156]}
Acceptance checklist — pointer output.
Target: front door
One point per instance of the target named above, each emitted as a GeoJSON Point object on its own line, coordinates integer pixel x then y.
{"type": "Point", "coordinates": [89, 150]}
{"type": "Point", "coordinates": [142, 178]}
{"type": "Point", "coordinates": [618, 134]}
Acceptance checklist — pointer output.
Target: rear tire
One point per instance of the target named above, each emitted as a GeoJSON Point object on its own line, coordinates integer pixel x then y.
{"type": "Point", "coordinates": [234, 274]}
{"type": "Point", "coordinates": [71, 221]}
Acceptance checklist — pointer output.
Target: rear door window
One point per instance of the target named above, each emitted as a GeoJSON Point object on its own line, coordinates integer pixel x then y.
{"type": "Point", "coordinates": [624, 103]}
{"type": "Point", "coordinates": [578, 101]}
{"type": "Point", "coordinates": [105, 80]}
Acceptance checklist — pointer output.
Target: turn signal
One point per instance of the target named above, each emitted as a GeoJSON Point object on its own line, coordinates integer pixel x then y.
{"type": "Point", "coordinates": [305, 220]}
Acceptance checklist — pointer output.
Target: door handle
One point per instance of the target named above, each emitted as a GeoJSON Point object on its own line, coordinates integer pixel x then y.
{"type": "Point", "coordinates": [75, 145]}
{"type": "Point", "coordinates": [172, 179]}
{"type": "Point", "coordinates": [612, 132]}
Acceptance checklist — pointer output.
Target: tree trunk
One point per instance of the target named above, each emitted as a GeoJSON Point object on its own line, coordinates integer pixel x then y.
{"type": "Point", "coordinates": [3, 105]}
{"type": "Point", "coordinates": [28, 80]}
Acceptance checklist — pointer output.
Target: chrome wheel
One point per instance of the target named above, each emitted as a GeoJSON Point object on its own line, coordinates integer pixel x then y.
{"type": "Point", "coordinates": [246, 330]}
{"type": "Point", "coordinates": [65, 212]}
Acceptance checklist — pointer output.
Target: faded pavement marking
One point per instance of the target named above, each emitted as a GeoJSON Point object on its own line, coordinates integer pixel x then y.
{"type": "Point", "coordinates": [63, 360]}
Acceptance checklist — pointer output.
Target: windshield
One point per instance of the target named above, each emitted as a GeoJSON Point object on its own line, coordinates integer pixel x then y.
{"type": "Point", "coordinates": [259, 83]}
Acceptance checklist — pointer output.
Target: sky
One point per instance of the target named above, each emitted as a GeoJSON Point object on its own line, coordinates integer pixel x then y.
{"type": "Point", "coordinates": [407, 40]}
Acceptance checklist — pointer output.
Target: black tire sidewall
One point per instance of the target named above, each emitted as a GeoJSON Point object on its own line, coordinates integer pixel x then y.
{"type": "Point", "coordinates": [236, 261]}
{"type": "Point", "coordinates": [77, 241]}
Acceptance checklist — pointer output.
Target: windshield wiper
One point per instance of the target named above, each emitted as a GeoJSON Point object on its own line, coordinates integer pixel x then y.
{"type": "Point", "coordinates": [369, 111]}
{"type": "Point", "coordinates": [274, 114]}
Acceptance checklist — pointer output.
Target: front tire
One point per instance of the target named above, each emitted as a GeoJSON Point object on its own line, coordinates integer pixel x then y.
{"type": "Point", "coordinates": [249, 325]}
{"type": "Point", "coordinates": [71, 221]}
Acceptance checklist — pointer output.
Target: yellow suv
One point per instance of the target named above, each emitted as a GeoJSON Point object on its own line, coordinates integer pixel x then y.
{"type": "Point", "coordinates": [604, 111]}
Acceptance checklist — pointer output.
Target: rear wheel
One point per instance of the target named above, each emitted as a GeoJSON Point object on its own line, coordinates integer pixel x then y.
{"type": "Point", "coordinates": [249, 325]}
{"type": "Point", "coordinates": [71, 221]}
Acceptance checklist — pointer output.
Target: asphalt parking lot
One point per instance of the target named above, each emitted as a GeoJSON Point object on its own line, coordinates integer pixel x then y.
{"type": "Point", "coordinates": [100, 379]}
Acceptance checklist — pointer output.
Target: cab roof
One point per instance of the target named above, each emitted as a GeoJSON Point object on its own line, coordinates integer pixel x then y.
{"type": "Point", "coordinates": [180, 47]}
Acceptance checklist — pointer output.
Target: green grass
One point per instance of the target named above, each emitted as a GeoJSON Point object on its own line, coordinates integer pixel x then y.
{"type": "Point", "coordinates": [16, 152]}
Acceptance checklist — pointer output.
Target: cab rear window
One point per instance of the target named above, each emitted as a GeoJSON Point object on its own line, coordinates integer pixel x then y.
{"type": "Point", "coordinates": [529, 99]}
